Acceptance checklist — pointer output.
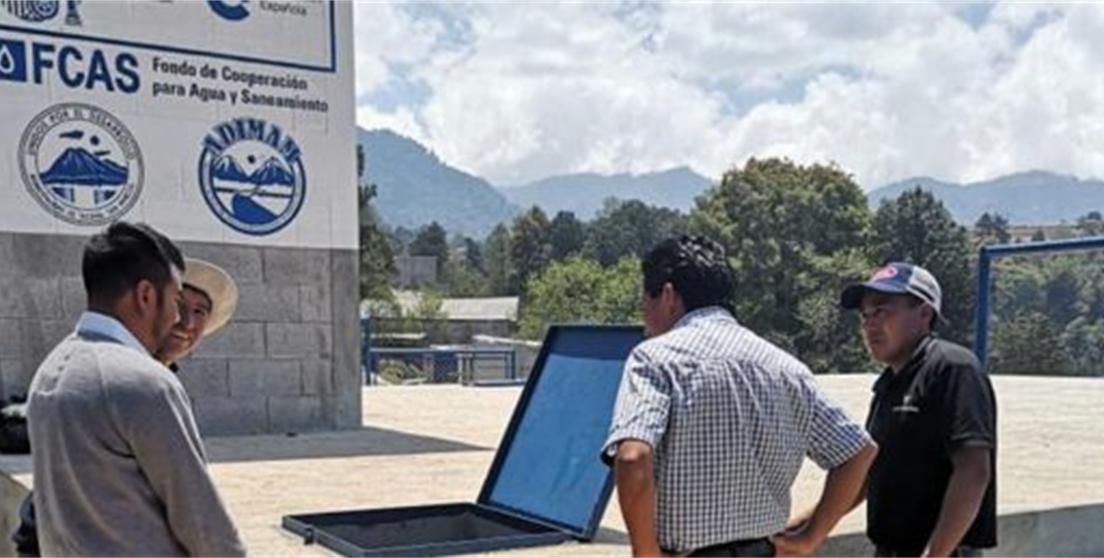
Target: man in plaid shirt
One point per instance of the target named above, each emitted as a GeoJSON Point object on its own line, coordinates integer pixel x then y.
{"type": "Point", "coordinates": [712, 424]}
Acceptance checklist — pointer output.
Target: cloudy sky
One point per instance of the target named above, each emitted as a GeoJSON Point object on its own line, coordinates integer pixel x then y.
{"type": "Point", "coordinates": [958, 91]}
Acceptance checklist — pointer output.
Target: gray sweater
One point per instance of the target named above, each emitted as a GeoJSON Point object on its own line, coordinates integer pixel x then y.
{"type": "Point", "coordinates": [119, 466]}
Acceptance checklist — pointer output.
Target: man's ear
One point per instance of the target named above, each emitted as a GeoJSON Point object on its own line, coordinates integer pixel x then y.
{"type": "Point", "coordinates": [145, 296]}
{"type": "Point", "coordinates": [928, 314]}
{"type": "Point", "coordinates": [669, 294]}
{"type": "Point", "coordinates": [672, 299]}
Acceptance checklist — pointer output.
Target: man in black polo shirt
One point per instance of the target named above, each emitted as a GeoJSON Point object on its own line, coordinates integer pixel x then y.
{"type": "Point", "coordinates": [932, 489]}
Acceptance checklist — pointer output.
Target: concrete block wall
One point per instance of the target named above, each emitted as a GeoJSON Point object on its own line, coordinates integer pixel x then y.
{"type": "Point", "coordinates": [289, 361]}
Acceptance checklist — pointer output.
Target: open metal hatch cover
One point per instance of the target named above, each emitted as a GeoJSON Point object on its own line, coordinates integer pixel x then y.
{"type": "Point", "coordinates": [546, 483]}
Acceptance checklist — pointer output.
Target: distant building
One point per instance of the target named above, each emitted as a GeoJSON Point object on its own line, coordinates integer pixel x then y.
{"type": "Point", "coordinates": [460, 318]}
{"type": "Point", "coordinates": [415, 271]}
{"type": "Point", "coordinates": [1025, 233]}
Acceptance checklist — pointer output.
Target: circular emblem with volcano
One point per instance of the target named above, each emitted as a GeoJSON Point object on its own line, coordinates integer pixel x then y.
{"type": "Point", "coordinates": [81, 164]}
{"type": "Point", "coordinates": [252, 177]}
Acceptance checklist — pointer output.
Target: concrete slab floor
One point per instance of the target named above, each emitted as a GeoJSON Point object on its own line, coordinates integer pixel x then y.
{"type": "Point", "coordinates": [434, 444]}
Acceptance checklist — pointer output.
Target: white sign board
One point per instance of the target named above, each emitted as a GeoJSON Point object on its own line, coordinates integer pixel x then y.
{"type": "Point", "coordinates": [216, 121]}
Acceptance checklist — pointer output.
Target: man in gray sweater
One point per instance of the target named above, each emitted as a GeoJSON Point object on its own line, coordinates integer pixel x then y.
{"type": "Point", "coordinates": [120, 469]}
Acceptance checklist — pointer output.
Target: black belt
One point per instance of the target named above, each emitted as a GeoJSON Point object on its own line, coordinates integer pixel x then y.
{"type": "Point", "coordinates": [750, 548]}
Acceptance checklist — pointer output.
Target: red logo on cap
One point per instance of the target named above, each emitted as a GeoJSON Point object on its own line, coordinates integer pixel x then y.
{"type": "Point", "coordinates": [887, 272]}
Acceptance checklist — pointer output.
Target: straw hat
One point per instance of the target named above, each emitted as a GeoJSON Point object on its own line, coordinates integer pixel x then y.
{"type": "Point", "coordinates": [218, 286]}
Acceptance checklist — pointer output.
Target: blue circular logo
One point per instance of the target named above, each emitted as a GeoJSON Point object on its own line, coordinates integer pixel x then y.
{"type": "Point", "coordinates": [32, 10]}
{"type": "Point", "coordinates": [252, 177]}
{"type": "Point", "coordinates": [81, 164]}
{"type": "Point", "coordinates": [233, 11]}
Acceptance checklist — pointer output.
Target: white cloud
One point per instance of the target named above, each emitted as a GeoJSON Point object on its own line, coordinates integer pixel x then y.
{"type": "Point", "coordinates": [519, 92]}
{"type": "Point", "coordinates": [386, 34]}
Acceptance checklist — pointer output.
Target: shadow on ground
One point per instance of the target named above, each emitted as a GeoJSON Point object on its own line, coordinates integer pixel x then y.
{"type": "Point", "coordinates": [611, 536]}
{"type": "Point", "coordinates": [363, 442]}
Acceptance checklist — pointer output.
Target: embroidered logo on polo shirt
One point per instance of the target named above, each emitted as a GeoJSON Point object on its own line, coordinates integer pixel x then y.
{"type": "Point", "coordinates": [907, 405]}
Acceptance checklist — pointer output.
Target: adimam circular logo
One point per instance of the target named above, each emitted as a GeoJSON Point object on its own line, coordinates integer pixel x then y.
{"type": "Point", "coordinates": [81, 164]}
{"type": "Point", "coordinates": [252, 177]}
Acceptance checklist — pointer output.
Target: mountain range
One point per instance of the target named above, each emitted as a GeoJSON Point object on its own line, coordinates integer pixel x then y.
{"type": "Point", "coordinates": [77, 166]}
{"type": "Point", "coordinates": [585, 193]}
{"type": "Point", "coordinates": [272, 172]}
{"type": "Point", "coordinates": [1025, 198]}
{"type": "Point", "coordinates": [415, 187]}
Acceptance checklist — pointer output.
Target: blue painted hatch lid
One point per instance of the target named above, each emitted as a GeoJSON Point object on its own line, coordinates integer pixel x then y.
{"type": "Point", "coordinates": [547, 467]}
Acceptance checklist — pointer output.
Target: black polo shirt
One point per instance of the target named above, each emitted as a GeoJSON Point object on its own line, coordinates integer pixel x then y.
{"type": "Point", "coordinates": [920, 416]}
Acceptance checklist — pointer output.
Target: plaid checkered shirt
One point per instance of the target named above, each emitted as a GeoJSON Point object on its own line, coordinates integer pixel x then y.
{"type": "Point", "coordinates": [731, 418]}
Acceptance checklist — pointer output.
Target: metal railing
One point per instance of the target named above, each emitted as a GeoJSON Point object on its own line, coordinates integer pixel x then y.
{"type": "Point", "coordinates": [467, 365]}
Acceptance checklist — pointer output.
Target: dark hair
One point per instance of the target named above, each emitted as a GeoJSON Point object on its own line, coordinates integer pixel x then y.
{"type": "Point", "coordinates": [697, 269]}
{"type": "Point", "coordinates": [116, 259]}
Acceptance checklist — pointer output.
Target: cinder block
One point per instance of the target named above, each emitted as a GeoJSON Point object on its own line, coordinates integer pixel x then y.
{"type": "Point", "coordinates": [40, 256]}
{"type": "Point", "coordinates": [243, 263]}
{"type": "Point", "coordinates": [317, 377]}
{"type": "Point", "coordinates": [205, 377]}
{"type": "Point", "coordinates": [14, 299]}
{"type": "Point", "coordinates": [231, 416]}
{"type": "Point", "coordinates": [8, 267]}
{"type": "Point", "coordinates": [296, 266]}
{"type": "Point", "coordinates": [265, 377]}
{"type": "Point", "coordinates": [41, 336]}
{"type": "Point", "coordinates": [45, 299]}
{"type": "Point", "coordinates": [268, 303]}
{"type": "Point", "coordinates": [316, 303]}
{"type": "Point", "coordinates": [15, 378]}
{"type": "Point", "coordinates": [346, 331]}
{"type": "Point", "coordinates": [236, 340]}
{"type": "Point", "coordinates": [304, 341]}
{"type": "Point", "coordinates": [295, 414]}
{"type": "Point", "coordinates": [29, 297]}
{"type": "Point", "coordinates": [73, 298]}
{"type": "Point", "coordinates": [11, 338]}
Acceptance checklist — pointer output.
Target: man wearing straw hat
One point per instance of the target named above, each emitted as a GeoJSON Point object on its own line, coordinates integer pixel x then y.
{"type": "Point", "coordinates": [207, 303]}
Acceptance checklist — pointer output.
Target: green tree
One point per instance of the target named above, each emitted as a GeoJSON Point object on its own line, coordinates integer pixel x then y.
{"type": "Point", "coordinates": [777, 220]}
{"type": "Point", "coordinates": [918, 229]}
{"type": "Point", "coordinates": [1028, 344]}
{"type": "Point", "coordinates": [580, 290]}
{"type": "Point", "coordinates": [473, 254]}
{"type": "Point", "coordinates": [830, 339]}
{"type": "Point", "coordinates": [1018, 288]}
{"type": "Point", "coordinates": [401, 238]}
{"type": "Point", "coordinates": [531, 249]}
{"type": "Point", "coordinates": [501, 273]}
{"type": "Point", "coordinates": [630, 228]}
{"type": "Point", "coordinates": [1062, 293]}
{"type": "Point", "coordinates": [377, 260]}
{"type": "Point", "coordinates": [430, 316]}
{"type": "Point", "coordinates": [566, 235]}
{"type": "Point", "coordinates": [992, 229]}
{"type": "Point", "coordinates": [1083, 341]}
{"type": "Point", "coordinates": [1091, 224]}
{"type": "Point", "coordinates": [432, 240]}
{"type": "Point", "coordinates": [462, 280]}
{"type": "Point", "coordinates": [463, 275]}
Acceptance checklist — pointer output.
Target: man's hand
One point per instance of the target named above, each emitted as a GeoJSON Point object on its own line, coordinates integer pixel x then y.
{"type": "Point", "coordinates": [796, 540]}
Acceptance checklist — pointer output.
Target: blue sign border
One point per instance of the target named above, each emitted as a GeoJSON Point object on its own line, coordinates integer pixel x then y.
{"type": "Point", "coordinates": [332, 68]}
